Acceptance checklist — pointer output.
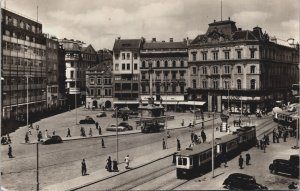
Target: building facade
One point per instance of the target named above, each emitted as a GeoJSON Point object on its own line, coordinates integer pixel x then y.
{"type": "Point", "coordinates": [77, 60]}
{"type": "Point", "coordinates": [126, 71]}
{"type": "Point", "coordinates": [99, 86]}
{"type": "Point", "coordinates": [240, 69]}
{"type": "Point", "coordinates": [167, 64]}
{"type": "Point", "coordinates": [24, 68]}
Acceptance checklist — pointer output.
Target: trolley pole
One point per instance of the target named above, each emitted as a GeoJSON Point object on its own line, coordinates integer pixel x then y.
{"type": "Point", "coordinates": [212, 147]}
{"type": "Point", "coordinates": [37, 166]}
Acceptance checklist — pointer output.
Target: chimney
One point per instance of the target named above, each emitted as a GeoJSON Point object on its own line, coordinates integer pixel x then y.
{"type": "Point", "coordinates": [171, 39]}
{"type": "Point", "coordinates": [153, 39]}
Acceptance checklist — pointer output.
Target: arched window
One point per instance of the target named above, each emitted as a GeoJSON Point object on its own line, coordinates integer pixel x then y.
{"type": "Point", "coordinates": [215, 84]}
{"type": "Point", "coordinates": [194, 83]}
{"type": "Point", "coordinates": [174, 64]}
{"type": "Point", "coordinates": [166, 64]}
{"type": "Point", "coordinates": [253, 84]}
{"type": "Point", "coordinates": [252, 69]}
{"type": "Point", "coordinates": [157, 64]}
{"type": "Point", "coordinates": [239, 84]}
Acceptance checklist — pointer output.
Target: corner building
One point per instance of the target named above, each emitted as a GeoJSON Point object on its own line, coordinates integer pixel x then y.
{"type": "Point", "coordinates": [239, 68]}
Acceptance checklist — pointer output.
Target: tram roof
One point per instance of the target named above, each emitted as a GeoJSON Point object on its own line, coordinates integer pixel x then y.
{"type": "Point", "coordinates": [225, 138]}
{"type": "Point", "coordinates": [195, 150]}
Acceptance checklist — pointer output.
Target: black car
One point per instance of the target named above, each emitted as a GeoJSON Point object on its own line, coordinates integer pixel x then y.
{"type": "Point", "coordinates": [290, 166]}
{"type": "Point", "coordinates": [126, 125]}
{"type": "Point", "coordinates": [87, 120]}
{"type": "Point", "coordinates": [53, 140]}
{"type": "Point", "coordinates": [242, 181]}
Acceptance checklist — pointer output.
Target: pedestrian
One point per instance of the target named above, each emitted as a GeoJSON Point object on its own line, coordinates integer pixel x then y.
{"type": "Point", "coordinates": [53, 133]}
{"type": "Point", "coordinates": [29, 130]}
{"type": "Point", "coordinates": [40, 135]}
{"type": "Point", "coordinates": [99, 130]}
{"type": "Point", "coordinates": [91, 132]}
{"type": "Point", "coordinates": [115, 166]}
{"type": "Point", "coordinates": [164, 144]}
{"type": "Point", "coordinates": [96, 124]}
{"type": "Point", "coordinates": [102, 143]}
{"type": "Point", "coordinates": [261, 142]}
{"type": "Point", "coordinates": [264, 147]}
{"type": "Point", "coordinates": [247, 159]}
{"type": "Point", "coordinates": [277, 137]}
{"type": "Point", "coordinates": [26, 138]}
{"type": "Point", "coordinates": [83, 167]}
{"type": "Point", "coordinates": [127, 162]}
{"type": "Point", "coordinates": [190, 125]}
{"type": "Point", "coordinates": [285, 134]}
{"type": "Point", "coordinates": [182, 123]}
{"type": "Point", "coordinates": [241, 161]}
{"type": "Point", "coordinates": [69, 133]}
{"type": "Point", "coordinates": [192, 136]}
{"type": "Point", "coordinates": [108, 164]}
{"type": "Point", "coordinates": [10, 152]}
{"type": "Point", "coordinates": [178, 144]}
{"type": "Point", "coordinates": [37, 127]}
{"type": "Point", "coordinates": [203, 135]}
{"type": "Point", "coordinates": [279, 133]}
{"type": "Point", "coordinates": [267, 140]}
{"type": "Point", "coordinates": [46, 134]}
{"type": "Point", "coordinates": [257, 143]}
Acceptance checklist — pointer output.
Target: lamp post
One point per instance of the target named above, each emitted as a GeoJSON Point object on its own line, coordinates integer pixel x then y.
{"type": "Point", "coordinates": [76, 97]}
{"type": "Point", "coordinates": [27, 80]}
{"type": "Point", "coordinates": [194, 122]}
{"type": "Point", "coordinates": [117, 140]}
{"type": "Point", "coordinates": [212, 147]}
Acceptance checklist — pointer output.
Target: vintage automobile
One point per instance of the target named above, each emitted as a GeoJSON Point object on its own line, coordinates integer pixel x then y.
{"type": "Point", "coordinates": [87, 120]}
{"type": "Point", "coordinates": [290, 166]}
{"type": "Point", "coordinates": [101, 114]}
{"type": "Point", "coordinates": [113, 127]}
{"type": "Point", "coordinates": [242, 181]}
{"type": "Point", "coordinates": [126, 125]}
{"type": "Point", "coordinates": [52, 140]}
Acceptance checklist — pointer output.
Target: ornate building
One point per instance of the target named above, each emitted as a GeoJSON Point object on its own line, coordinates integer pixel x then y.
{"type": "Point", "coordinates": [243, 68]}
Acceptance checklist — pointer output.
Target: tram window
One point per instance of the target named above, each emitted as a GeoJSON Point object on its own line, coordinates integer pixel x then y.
{"type": "Point", "coordinates": [179, 161]}
{"type": "Point", "coordinates": [184, 161]}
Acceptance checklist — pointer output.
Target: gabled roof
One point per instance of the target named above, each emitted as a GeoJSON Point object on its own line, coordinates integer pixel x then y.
{"type": "Point", "coordinates": [88, 49]}
{"type": "Point", "coordinates": [164, 45]}
{"type": "Point", "coordinates": [127, 44]}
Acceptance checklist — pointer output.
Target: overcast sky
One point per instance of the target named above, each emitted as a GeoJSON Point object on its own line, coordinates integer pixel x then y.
{"type": "Point", "coordinates": [100, 22]}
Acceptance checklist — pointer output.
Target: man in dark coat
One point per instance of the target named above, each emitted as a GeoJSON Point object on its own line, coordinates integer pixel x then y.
{"type": "Point", "coordinates": [178, 145]}
{"type": "Point", "coordinates": [69, 133]}
{"type": "Point", "coordinates": [241, 161]}
{"type": "Point", "coordinates": [248, 158]}
{"type": "Point", "coordinates": [164, 144]}
{"type": "Point", "coordinates": [102, 143]}
{"type": "Point", "coordinates": [285, 134]}
{"type": "Point", "coordinates": [203, 135]}
{"type": "Point", "coordinates": [26, 137]}
{"type": "Point", "coordinates": [83, 167]}
{"type": "Point", "coordinates": [108, 164]}
{"type": "Point", "coordinates": [10, 152]}
{"type": "Point", "coordinates": [99, 130]}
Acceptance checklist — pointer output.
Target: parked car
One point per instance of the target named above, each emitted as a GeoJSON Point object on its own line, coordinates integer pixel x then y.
{"type": "Point", "coordinates": [242, 181]}
{"type": "Point", "coordinates": [126, 125]}
{"type": "Point", "coordinates": [113, 127]}
{"type": "Point", "coordinates": [290, 166]}
{"type": "Point", "coordinates": [101, 114]}
{"type": "Point", "coordinates": [87, 120]}
{"type": "Point", "coordinates": [52, 140]}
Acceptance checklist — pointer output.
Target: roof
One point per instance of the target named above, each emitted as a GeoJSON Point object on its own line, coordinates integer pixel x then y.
{"type": "Point", "coordinates": [127, 44]}
{"type": "Point", "coordinates": [225, 138]}
{"type": "Point", "coordinates": [195, 150]}
{"type": "Point", "coordinates": [88, 49]}
{"type": "Point", "coordinates": [164, 45]}
{"type": "Point", "coordinates": [102, 67]}
{"type": "Point", "coordinates": [244, 35]}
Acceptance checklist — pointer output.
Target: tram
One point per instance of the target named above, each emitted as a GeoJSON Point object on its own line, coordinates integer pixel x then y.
{"type": "Point", "coordinates": [197, 160]}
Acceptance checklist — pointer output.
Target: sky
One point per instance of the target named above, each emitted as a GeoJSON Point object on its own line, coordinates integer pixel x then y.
{"type": "Point", "coordinates": [100, 22]}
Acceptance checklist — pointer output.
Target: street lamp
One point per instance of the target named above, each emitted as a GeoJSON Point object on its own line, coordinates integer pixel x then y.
{"type": "Point", "coordinates": [117, 140]}
{"type": "Point", "coordinates": [27, 80]}
{"type": "Point", "coordinates": [76, 97]}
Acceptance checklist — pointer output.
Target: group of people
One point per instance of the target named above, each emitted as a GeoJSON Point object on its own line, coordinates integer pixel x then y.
{"type": "Point", "coordinates": [5, 140]}
{"type": "Point", "coordinates": [196, 139]}
{"type": "Point", "coordinates": [262, 143]}
{"type": "Point", "coordinates": [241, 160]}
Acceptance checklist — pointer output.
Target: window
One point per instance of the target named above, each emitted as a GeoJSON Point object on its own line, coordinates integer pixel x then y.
{"type": "Point", "coordinates": [252, 69]}
{"type": "Point", "coordinates": [226, 84]}
{"type": "Point", "coordinates": [98, 92]}
{"type": "Point", "coordinates": [166, 75]}
{"type": "Point", "coordinates": [252, 84]}
{"type": "Point", "coordinates": [128, 66]}
{"type": "Point", "coordinates": [92, 92]}
{"type": "Point", "coordinates": [157, 64]}
{"type": "Point", "coordinates": [123, 66]}
{"type": "Point", "coordinates": [181, 63]}
{"type": "Point", "coordinates": [98, 80]}
{"type": "Point", "coordinates": [194, 70]}
{"type": "Point", "coordinates": [215, 69]}
{"type": "Point", "coordinates": [226, 69]}
{"type": "Point", "coordinates": [181, 89]}
{"type": "Point", "coordinates": [157, 75]}
{"type": "Point", "coordinates": [157, 89]}
{"type": "Point", "coordinates": [252, 52]}
{"type": "Point", "coordinates": [239, 69]}
{"type": "Point", "coordinates": [117, 56]}
{"type": "Point", "coordinates": [239, 84]}
{"type": "Point", "coordinates": [72, 74]}
{"type": "Point", "coordinates": [227, 55]}
{"type": "Point", "coordinates": [135, 56]}
{"type": "Point", "coordinates": [204, 56]}
{"type": "Point", "coordinates": [117, 67]}
{"type": "Point", "coordinates": [194, 54]}
{"type": "Point", "coordinates": [166, 64]}
{"type": "Point", "coordinates": [143, 76]}
{"type": "Point", "coordinates": [204, 70]}
{"type": "Point", "coordinates": [194, 84]}
{"type": "Point", "coordinates": [204, 84]}
{"type": "Point", "coordinates": [174, 64]}
{"type": "Point", "coordinates": [215, 84]}
{"type": "Point", "coordinates": [174, 88]}
{"type": "Point", "coordinates": [174, 75]}
{"type": "Point", "coordinates": [181, 75]}
{"type": "Point", "coordinates": [123, 56]}
{"type": "Point", "coordinates": [239, 54]}
{"type": "Point", "coordinates": [143, 64]}
{"type": "Point", "coordinates": [135, 66]}
{"type": "Point", "coordinates": [215, 54]}
{"type": "Point", "coordinates": [128, 56]}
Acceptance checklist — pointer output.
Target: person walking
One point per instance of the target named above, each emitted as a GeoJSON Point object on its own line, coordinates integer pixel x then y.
{"type": "Point", "coordinates": [203, 136]}
{"type": "Point", "coordinates": [53, 133]}
{"type": "Point", "coordinates": [26, 138]}
{"type": "Point", "coordinates": [10, 152]}
{"type": "Point", "coordinates": [91, 132]}
{"type": "Point", "coordinates": [115, 166]}
{"type": "Point", "coordinates": [99, 130]}
{"type": "Point", "coordinates": [46, 134]}
{"type": "Point", "coordinates": [182, 122]}
{"type": "Point", "coordinates": [69, 133]}
{"type": "Point", "coordinates": [96, 124]}
{"type": "Point", "coordinates": [285, 134]}
{"type": "Point", "coordinates": [164, 144]}
{"type": "Point", "coordinates": [108, 164]}
{"type": "Point", "coordinates": [279, 133]}
{"type": "Point", "coordinates": [29, 130]}
{"type": "Point", "coordinates": [241, 161]}
{"type": "Point", "coordinates": [102, 143]}
{"type": "Point", "coordinates": [248, 159]}
{"type": "Point", "coordinates": [127, 162]}
{"type": "Point", "coordinates": [83, 167]}
{"type": "Point", "coordinates": [178, 144]}
{"type": "Point", "coordinates": [40, 136]}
